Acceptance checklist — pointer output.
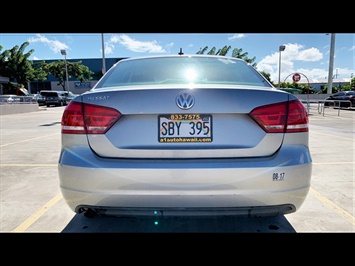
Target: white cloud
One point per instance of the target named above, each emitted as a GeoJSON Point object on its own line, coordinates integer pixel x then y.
{"type": "Point", "coordinates": [293, 52]}
{"type": "Point", "coordinates": [136, 46]}
{"type": "Point", "coordinates": [54, 45]}
{"type": "Point", "coordinates": [169, 46]}
{"type": "Point", "coordinates": [109, 47]}
{"type": "Point", "coordinates": [236, 36]}
{"type": "Point", "coordinates": [312, 54]}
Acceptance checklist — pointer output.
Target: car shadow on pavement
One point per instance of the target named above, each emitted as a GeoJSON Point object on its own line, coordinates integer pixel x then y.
{"type": "Point", "coordinates": [102, 224]}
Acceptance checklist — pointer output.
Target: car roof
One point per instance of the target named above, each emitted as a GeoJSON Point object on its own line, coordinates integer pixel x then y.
{"type": "Point", "coordinates": [344, 92]}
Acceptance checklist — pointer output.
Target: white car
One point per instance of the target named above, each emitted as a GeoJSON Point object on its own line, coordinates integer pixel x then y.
{"type": "Point", "coordinates": [184, 135]}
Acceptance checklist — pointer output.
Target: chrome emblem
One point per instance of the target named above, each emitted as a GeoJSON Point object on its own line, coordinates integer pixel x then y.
{"type": "Point", "coordinates": [185, 100]}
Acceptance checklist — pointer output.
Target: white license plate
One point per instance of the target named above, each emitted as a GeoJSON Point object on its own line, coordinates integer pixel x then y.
{"type": "Point", "coordinates": [183, 128]}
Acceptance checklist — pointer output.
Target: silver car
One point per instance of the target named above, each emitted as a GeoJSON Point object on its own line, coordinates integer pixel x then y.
{"type": "Point", "coordinates": [184, 135]}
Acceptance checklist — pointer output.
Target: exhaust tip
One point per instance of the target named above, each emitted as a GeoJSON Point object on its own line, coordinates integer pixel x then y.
{"type": "Point", "coordinates": [89, 213]}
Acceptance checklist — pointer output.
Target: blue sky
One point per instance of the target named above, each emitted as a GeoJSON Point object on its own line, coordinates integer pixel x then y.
{"type": "Point", "coordinates": [306, 53]}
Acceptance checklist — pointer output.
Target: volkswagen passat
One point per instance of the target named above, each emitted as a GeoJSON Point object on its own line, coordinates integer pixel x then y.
{"type": "Point", "coordinates": [188, 135]}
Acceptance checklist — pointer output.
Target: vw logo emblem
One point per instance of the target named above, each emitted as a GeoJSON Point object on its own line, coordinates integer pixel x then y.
{"type": "Point", "coordinates": [185, 100]}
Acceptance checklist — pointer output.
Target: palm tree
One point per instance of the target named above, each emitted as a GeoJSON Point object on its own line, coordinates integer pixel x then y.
{"type": "Point", "coordinates": [237, 53]}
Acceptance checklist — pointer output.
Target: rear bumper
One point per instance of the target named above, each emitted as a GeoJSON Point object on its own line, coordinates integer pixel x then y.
{"type": "Point", "coordinates": [256, 211]}
{"type": "Point", "coordinates": [53, 102]}
{"type": "Point", "coordinates": [266, 186]}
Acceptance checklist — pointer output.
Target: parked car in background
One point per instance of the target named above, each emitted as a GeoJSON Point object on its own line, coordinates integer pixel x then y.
{"type": "Point", "coordinates": [41, 100]}
{"type": "Point", "coordinates": [56, 98]}
{"type": "Point", "coordinates": [189, 135]}
{"type": "Point", "coordinates": [346, 99]}
{"type": "Point", "coordinates": [69, 97]}
{"type": "Point", "coordinates": [44, 92]}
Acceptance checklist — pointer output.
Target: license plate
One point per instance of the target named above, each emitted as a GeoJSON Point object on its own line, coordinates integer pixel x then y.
{"type": "Point", "coordinates": [183, 128]}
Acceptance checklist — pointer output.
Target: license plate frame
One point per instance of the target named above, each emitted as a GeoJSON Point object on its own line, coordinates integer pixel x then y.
{"type": "Point", "coordinates": [185, 128]}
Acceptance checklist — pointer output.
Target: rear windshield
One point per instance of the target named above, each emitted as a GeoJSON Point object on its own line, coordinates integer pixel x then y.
{"type": "Point", "coordinates": [56, 94]}
{"type": "Point", "coordinates": [52, 94]}
{"type": "Point", "coordinates": [43, 93]}
{"type": "Point", "coordinates": [183, 70]}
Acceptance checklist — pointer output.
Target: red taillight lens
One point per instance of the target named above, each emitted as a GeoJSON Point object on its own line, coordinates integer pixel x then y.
{"type": "Point", "coordinates": [297, 118]}
{"type": "Point", "coordinates": [81, 118]}
{"type": "Point", "coordinates": [282, 117]}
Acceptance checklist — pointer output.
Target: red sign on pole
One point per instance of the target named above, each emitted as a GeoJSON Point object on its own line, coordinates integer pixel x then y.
{"type": "Point", "coordinates": [296, 77]}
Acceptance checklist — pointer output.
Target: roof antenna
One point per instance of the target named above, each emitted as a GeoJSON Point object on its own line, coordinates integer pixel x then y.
{"type": "Point", "coordinates": [181, 53]}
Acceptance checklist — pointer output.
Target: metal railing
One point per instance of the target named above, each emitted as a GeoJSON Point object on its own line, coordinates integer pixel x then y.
{"type": "Point", "coordinates": [6, 99]}
{"type": "Point", "coordinates": [321, 105]}
{"type": "Point", "coordinates": [335, 104]}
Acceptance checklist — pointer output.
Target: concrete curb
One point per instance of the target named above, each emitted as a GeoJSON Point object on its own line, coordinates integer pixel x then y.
{"type": "Point", "coordinates": [8, 109]}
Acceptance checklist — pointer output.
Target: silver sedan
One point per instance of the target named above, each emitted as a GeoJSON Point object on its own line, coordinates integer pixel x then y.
{"type": "Point", "coordinates": [189, 135]}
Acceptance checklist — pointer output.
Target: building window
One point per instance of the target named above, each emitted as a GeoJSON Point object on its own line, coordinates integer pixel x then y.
{"type": "Point", "coordinates": [36, 87]}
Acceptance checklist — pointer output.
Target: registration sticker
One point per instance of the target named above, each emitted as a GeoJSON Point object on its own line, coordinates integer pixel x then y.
{"type": "Point", "coordinates": [183, 128]}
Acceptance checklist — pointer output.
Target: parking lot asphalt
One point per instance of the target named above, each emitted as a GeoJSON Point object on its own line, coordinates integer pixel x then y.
{"type": "Point", "coordinates": [31, 200]}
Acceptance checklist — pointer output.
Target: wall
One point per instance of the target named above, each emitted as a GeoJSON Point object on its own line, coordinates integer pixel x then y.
{"type": "Point", "coordinates": [8, 109]}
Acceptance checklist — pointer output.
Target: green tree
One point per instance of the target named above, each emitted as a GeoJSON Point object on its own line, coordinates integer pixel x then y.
{"type": "Point", "coordinates": [325, 89]}
{"type": "Point", "coordinates": [202, 51]}
{"type": "Point", "coordinates": [80, 71]}
{"type": "Point", "coordinates": [40, 71]}
{"type": "Point", "coordinates": [348, 87]}
{"type": "Point", "coordinates": [267, 76]}
{"type": "Point", "coordinates": [237, 53]}
{"type": "Point", "coordinates": [75, 69]}
{"type": "Point", "coordinates": [15, 65]}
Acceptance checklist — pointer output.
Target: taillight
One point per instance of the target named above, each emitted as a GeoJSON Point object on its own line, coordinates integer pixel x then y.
{"type": "Point", "coordinates": [84, 118]}
{"type": "Point", "coordinates": [282, 117]}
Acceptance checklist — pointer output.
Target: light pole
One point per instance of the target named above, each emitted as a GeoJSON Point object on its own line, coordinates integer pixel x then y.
{"type": "Point", "coordinates": [281, 48]}
{"type": "Point", "coordinates": [331, 63]}
{"type": "Point", "coordinates": [103, 54]}
{"type": "Point", "coordinates": [63, 52]}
